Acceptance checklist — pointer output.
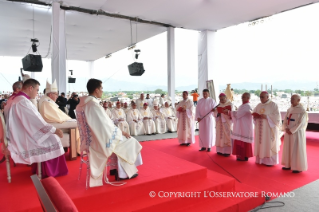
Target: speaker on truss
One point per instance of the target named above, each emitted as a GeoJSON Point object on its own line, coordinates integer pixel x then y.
{"type": "Point", "coordinates": [136, 69]}
{"type": "Point", "coordinates": [32, 63]}
{"type": "Point", "coordinates": [71, 80]}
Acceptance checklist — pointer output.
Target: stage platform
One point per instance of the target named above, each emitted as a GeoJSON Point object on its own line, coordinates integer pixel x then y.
{"type": "Point", "coordinates": [160, 173]}
{"type": "Point", "coordinates": [167, 168]}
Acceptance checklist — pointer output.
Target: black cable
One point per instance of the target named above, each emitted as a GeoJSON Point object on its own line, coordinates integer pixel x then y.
{"type": "Point", "coordinates": [282, 204]}
{"type": "Point", "coordinates": [6, 79]}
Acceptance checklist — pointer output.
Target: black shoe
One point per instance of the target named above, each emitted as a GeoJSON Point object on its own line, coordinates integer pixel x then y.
{"type": "Point", "coordinates": [135, 175]}
{"type": "Point", "coordinates": [113, 172]}
{"type": "Point", "coordinates": [285, 168]}
{"type": "Point", "coordinates": [188, 144]}
{"type": "Point", "coordinates": [226, 155]}
{"type": "Point", "coordinates": [208, 149]}
{"type": "Point", "coordinates": [182, 144]}
{"type": "Point", "coordinates": [246, 158]}
{"type": "Point", "coordinates": [65, 149]}
{"type": "Point", "coordinates": [202, 149]}
{"type": "Point", "coordinates": [219, 153]}
{"type": "Point", "coordinates": [238, 159]}
{"type": "Point", "coordinates": [269, 165]}
{"type": "Point", "coordinates": [295, 171]}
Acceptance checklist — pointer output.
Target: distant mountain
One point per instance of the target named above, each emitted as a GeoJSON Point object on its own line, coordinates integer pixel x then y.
{"type": "Point", "coordinates": [276, 85]}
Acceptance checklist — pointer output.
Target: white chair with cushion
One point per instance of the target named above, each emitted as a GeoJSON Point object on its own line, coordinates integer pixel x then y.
{"type": "Point", "coordinates": [85, 136]}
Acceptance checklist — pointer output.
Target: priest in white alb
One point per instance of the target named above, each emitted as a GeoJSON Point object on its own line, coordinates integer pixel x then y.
{"type": "Point", "coordinates": [294, 154]}
{"type": "Point", "coordinates": [149, 124]}
{"type": "Point", "coordinates": [135, 121]}
{"type": "Point", "coordinates": [106, 138]}
{"type": "Point", "coordinates": [107, 111]}
{"type": "Point", "coordinates": [224, 126]}
{"type": "Point", "coordinates": [170, 117]}
{"type": "Point", "coordinates": [267, 121]}
{"type": "Point", "coordinates": [158, 118]}
{"type": "Point", "coordinates": [140, 102]}
{"type": "Point", "coordinates": [243, 131]}
{"type": "Point", "coordinates": [126, 108]}
{"type": "Point", "coordinates": [31, 139]}
{"type": "Point", "coordinates": [204, 115]}
{"type": "Point", "coordinates": [185, 125]}
{"type": "Point", "coordinates": [119, 118]}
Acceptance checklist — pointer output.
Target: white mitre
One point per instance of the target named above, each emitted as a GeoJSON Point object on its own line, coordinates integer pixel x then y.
{"type": "Point", "coordinates": [25, 77]}
{"type": "Point", "coordinates": [155, 102]}
{"type": "Point", "coordinates": [51, 88]}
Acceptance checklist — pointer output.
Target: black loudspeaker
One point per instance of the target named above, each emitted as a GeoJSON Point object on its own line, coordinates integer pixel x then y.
{"type": "Point", "coordinates": [136, 69]}
{"type": "Point", "coordinates": [71, 80]}
{"type": "Point", "coordinates": [32, 63]}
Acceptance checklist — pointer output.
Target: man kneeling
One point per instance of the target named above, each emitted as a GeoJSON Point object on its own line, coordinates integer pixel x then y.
{"type": "Point", "coordinates": [106, 138]}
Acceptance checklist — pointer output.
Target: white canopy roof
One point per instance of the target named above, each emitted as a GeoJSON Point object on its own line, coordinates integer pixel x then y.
{"type": "Point", "coordinates": [90, 37]}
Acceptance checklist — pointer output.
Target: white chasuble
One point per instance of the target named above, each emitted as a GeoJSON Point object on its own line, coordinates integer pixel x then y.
{"type": "Point", "coordinates": [30, 138]}
{"type": "Point", "coordinates": [140, 104]}
{"type": "Point", "coordinates": [149, 124]}
{"type": "Point", "coordinates": [119, 118]}
{"type": "Point", "coordinates": [50, 111]}
{"type": "Point", "coordinates": [294, 153]}
{"type": "Point", "coordinates": [159, 120]}
{"type": "Point", "coordinates": [185, 124]}
{"type": "Point", "coordinates": [267, 141]}
{"type": "Point", "coordinates": [171, 119]}
{"type": "Point", "coordinates": [135, 121]}
{"type": "Point", "coordinates": [105, 139]}
{"type": "Point", "coordinates": [224, 127]}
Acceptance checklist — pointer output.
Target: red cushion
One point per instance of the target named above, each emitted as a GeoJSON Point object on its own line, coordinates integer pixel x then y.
{"type": "Point", "coordinates": [58, 196]}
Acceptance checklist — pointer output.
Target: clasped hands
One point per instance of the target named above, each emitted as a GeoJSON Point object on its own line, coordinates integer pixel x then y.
{"type": "Point", "coordinates": [288, 131]}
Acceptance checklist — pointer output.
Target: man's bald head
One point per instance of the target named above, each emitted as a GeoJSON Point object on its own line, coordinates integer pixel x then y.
{"type": "Point", "coordinates": [295, 100]}
{"type": "Point", "coordinates": [264, 96]}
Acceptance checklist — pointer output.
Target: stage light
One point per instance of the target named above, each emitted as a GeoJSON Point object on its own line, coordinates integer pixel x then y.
{"type": "Point", "coordinates": [137, 53]}
{"type": "Point", "coordinates": [109, 55]}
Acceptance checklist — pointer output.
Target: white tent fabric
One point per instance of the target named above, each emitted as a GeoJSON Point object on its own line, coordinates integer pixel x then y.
{"type": "Point", "coordinates": [90, 37]}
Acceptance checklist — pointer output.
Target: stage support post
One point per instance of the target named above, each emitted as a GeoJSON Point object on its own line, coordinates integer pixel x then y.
{"type": "Point", "coordinates": [206, 58]}
{"type": "Point", "coordinates": [171, 63]}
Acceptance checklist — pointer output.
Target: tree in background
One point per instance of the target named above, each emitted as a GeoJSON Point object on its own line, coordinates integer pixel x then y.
{"type": "Point", "coordinates": [257, 92]}
{"type": "Point", "coordinates": [300, 92]}
{"type": "Point", "coordinates": [159, 91]}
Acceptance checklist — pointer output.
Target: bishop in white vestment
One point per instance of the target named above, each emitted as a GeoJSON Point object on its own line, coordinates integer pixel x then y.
{"type": "Point", "coordinates": [185, 125]}
{"type": "Point", "coordinates": [243, 131]}
{"type": "Point", "coordinates": [31, 139]}
{"type": "Point", "coordinates": [51, 112]}
{"type": "Point", "coordinates": [224, 127]}
{"type": "Point", "coordinates": [159, 119]}
{"type": "Point", "coordinates": [106, 138]}
{"type": "Point", "coordinates": [170, 117]}
{"type": "Point", "coordinates": [120, 118]}
{"type": "Point", "coordinates": [149, 124]}
{"type": "Point", "coordinates": [294, 155]}
{"type": "Point", "coordinates": [204, 116]}
{"type": "Point", "coordinates": [267, 121]}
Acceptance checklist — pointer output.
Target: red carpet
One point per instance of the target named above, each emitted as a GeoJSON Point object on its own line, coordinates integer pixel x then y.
{"type": "Point", "coordinates": [171, 168]}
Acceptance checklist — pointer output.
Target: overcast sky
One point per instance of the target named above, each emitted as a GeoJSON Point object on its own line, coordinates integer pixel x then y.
{"type": "Point", "coordinates": [284, 48]}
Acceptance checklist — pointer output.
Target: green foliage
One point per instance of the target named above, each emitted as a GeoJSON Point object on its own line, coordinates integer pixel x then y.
{"type": "Point", "coordinates": [257, 92]}
{"type": "Point", "coordinates": [302, 93]}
